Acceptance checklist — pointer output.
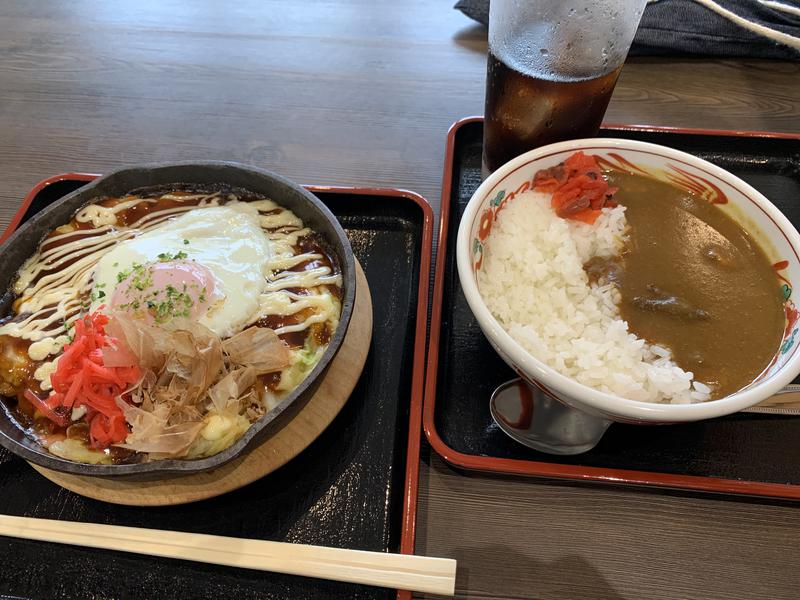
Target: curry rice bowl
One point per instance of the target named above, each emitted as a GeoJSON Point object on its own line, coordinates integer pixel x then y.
{"type": "Point", "coordinates": [541, 295]}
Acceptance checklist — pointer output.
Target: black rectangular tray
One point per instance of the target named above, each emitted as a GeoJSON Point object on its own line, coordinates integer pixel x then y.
{"type": "Point", "coordinates": [347, 489]}
{"type": "Point", "coordinates": [752, 454]}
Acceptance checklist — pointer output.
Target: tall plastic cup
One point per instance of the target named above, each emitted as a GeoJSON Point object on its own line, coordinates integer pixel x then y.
{"type": "Point", "coordinates": [551, 70]}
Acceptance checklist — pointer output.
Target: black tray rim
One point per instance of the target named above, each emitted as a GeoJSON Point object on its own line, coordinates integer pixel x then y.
{"type": "Point", "coordinates": [529, 468]}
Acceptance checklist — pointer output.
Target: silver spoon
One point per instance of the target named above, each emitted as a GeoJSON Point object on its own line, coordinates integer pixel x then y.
{"type": "Point", "coordinates": [556, 428]}
{"type": "Point", "coordinates": [559, 429]}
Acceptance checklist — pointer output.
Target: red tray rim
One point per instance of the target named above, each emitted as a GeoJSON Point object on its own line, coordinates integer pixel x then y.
{"type": "Point", "coordinates": [488, 464]}
{"type": "Point", "coordinates": [411, 486]}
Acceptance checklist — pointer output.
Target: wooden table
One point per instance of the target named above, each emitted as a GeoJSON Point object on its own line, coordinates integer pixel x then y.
{"type": "Point", "coordinates": [362, 93]}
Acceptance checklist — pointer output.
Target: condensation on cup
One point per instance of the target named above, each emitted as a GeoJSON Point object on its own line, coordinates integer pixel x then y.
{"type": "Point", "coordinates": [551, 71]}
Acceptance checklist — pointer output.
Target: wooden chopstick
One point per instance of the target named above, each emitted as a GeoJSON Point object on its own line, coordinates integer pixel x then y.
{"type": "Point", "coordinates": [400, 571]}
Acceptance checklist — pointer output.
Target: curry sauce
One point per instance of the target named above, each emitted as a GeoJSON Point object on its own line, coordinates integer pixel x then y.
{"type": "Point", "coordinates": [691, 279]}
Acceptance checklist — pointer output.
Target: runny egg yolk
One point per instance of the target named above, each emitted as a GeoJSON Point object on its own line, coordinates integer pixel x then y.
{"type": "Point", "coordinates": [167, 290]}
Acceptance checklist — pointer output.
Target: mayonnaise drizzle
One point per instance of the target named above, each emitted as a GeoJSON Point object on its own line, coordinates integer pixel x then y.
{"type": "Point", "coordinates": [107, 215]}
{"type": "Point", "coordinates": [54, 284]}
{"type": "Point", "coordinates": [284, 230]}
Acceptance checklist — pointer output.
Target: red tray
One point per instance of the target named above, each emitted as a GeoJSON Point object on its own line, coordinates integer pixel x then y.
{"type": "Point", "coordinates": [401, 218]}
{"type": "Point", "coordinates": [741, 454]}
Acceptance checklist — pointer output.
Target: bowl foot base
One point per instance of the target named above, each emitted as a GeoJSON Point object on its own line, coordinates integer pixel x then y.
{"type": "Point", "coordinates": [536, 420]}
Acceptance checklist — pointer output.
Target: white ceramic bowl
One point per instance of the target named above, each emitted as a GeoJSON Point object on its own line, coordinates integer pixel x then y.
{"type": "Point", "coordinates": [761, 218]}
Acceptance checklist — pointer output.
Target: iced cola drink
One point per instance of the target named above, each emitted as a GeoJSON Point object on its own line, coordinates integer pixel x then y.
{"type": "Point", "coordinates": [551, 71]}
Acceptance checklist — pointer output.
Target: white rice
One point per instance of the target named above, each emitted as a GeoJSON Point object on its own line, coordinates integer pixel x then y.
{"type": "Point", "coordinates": [532, 280]}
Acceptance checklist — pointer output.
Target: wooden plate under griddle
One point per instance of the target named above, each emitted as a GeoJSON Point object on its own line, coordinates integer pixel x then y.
{"type": "Point", "coordinates": [274, 452]}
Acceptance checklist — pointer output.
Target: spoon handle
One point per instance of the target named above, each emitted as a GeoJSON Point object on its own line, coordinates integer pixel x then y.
{"type": "Point", "coordinates": [785, 401]}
